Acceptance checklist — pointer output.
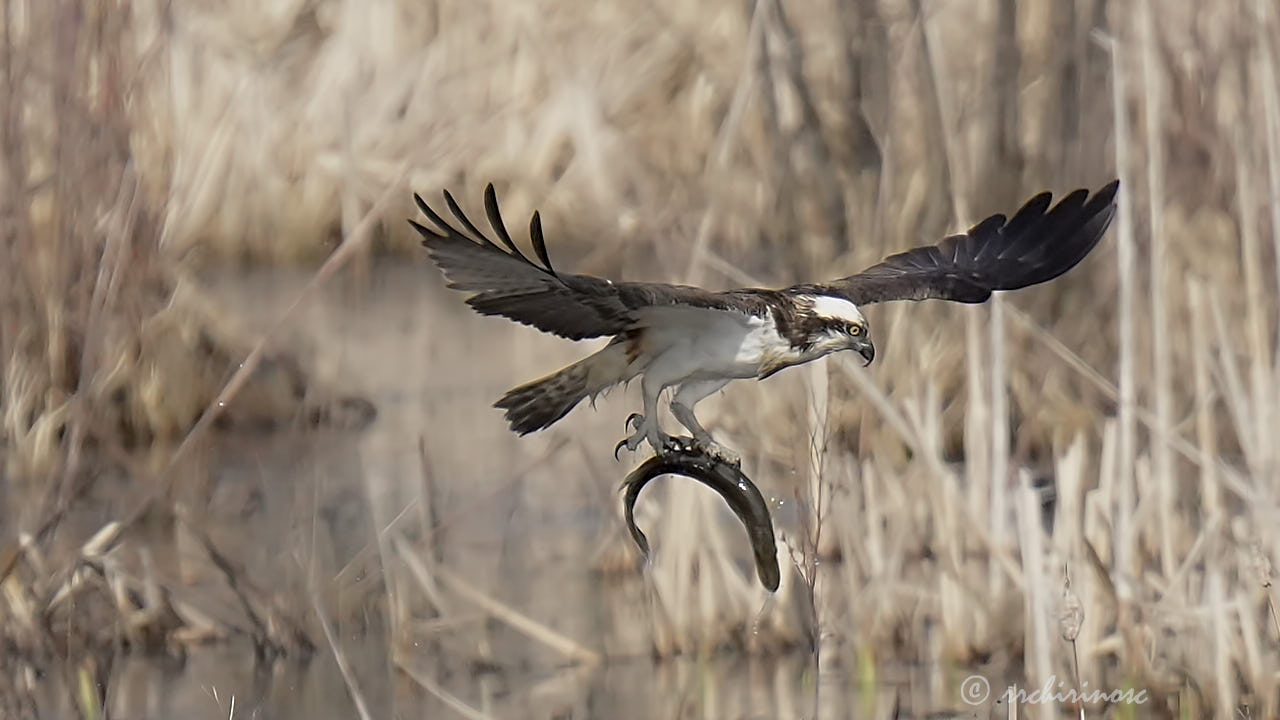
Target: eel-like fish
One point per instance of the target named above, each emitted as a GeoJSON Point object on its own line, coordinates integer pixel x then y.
{"type": "Point", "coordinates": [738, 492]}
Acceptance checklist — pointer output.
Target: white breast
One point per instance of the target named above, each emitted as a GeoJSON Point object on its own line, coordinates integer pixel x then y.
{"type": "Point", "coordinates": [692, 343]}
{"type": "Point", "coordinates": [761, 343]}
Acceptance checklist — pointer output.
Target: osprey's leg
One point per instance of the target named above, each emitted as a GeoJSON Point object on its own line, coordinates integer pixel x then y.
{"type": "Point", "coordinates": [646, 425]}
{"type": "Point", "coordinates": [687, 396]}
{"type": "Point", "coordinates": [690, 394]}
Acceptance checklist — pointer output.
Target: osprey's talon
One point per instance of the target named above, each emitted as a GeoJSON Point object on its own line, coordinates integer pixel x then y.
{"type": "Point", "coordinates": [632, 441]}
{"type": "Point", "coordinates": [714, 450]}
{"type": "Point", "coordinates": [722, 454]}
{"type": "Point", "coordinates": [676, 444]}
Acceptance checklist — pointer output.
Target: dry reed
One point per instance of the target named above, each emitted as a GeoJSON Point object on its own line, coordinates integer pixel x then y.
{"type": "Point", "coordinates": [146, 142]}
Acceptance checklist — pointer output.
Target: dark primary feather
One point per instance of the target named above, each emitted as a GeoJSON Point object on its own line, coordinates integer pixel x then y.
{"type": "Point", "coordinates": [1037, 245]}
{"type": "Point", "coordinates": [507, 283]}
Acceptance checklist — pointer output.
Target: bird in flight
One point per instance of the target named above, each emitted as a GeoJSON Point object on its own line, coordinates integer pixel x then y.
{"type": "Point", "coordinates": [698, 340]}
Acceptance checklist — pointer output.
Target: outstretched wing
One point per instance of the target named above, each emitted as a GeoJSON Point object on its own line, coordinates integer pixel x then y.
{"type": "Point", "coordinates": [1037, 245]}
{"type": "Point", "coordinates": [505, 282]}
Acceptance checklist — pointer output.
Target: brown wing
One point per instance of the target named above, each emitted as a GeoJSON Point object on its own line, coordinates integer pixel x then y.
{"type": "Point", "coordinates": [505, 282]}
{"type": "Point", "coordinates": [1037, 245]}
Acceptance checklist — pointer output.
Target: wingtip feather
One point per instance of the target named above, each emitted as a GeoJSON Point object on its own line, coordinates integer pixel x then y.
{"type": "Point", "coordinates": [539, 243]}
{"type": "Point", "coordinates": [495, 218]}
{"type": "Point", "coordinates": [456, 209]}
{"type": "Point", "coordinates": [428, 235]}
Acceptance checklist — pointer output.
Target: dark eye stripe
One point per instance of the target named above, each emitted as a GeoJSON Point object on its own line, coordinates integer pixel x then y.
{"type": "Point", "coordinates": [850, 328]}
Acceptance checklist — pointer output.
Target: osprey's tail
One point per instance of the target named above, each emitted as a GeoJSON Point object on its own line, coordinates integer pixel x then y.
{"type": "Point", "coordinates": [539, 404]}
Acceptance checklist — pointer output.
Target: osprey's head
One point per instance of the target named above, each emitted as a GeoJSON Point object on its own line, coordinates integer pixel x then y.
{"type": "Point", "coordinates": [833, 324]}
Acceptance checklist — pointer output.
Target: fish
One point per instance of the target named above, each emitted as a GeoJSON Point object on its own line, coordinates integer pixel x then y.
{"type": "Point", "coordinates": [739, 493]}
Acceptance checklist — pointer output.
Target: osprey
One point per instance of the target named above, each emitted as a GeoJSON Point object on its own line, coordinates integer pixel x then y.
{"type": "Point", "coordinates": [698, 340]}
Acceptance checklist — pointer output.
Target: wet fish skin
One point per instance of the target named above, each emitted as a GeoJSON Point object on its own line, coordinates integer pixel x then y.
{"type": "Point", "coordinates": [739, 493]}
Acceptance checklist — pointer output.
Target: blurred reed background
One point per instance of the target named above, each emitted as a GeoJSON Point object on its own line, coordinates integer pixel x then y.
{"type": "Point", "coordinates": [1078, 480]}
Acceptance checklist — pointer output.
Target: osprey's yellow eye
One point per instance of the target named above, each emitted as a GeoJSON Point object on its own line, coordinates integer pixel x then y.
{"type": "Point", "coordinates": [857, 330]}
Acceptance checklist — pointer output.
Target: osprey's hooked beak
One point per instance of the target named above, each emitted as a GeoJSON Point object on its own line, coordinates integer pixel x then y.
{"type": "Point", "coordinates": [865, 348]}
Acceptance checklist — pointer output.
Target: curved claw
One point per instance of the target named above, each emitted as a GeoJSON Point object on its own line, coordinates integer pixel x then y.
{"type": "Point", "coordinates": [738, 492]}
{"type": "Point", "coordinates": [619, 446]}
{"type": "Point", "coordinates": [674, 444]}
{"type": "Point", "coordinates": [634, 417]}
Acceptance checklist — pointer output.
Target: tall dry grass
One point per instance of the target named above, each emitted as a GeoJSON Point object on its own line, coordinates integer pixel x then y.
{"type": "Point", "coordinates": [1114, 428]}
